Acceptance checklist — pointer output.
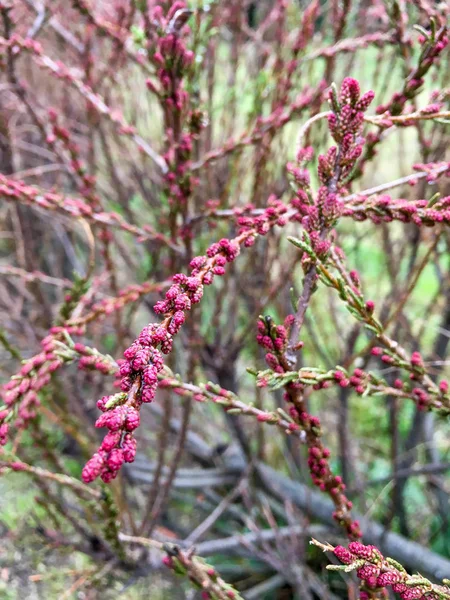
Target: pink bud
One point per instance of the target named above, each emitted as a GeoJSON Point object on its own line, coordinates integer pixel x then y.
{"type": "Point", "coordinates": [132, 419]}
{"type": "Point", "coordinates": [115, 459]}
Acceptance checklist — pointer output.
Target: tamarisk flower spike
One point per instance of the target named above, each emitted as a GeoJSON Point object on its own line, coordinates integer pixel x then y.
{"type": "Point", "coordinates": [20, 395]}
{"type": "Point", "coordinates": [385, 209]}
{"type": "Point", "coordinates": [18, 191]}
{"type": "Point", "coordinates": [143, 360]}
{"type": "Point", "coordinates": [319, 212]}
{"type": "Point", "coordinates": [274, 338]}
{"type": "Point", "coordinates": [378, 572]}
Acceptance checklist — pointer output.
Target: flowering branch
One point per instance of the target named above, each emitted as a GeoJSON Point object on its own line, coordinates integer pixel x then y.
{"type": "Point", "coordinates": [231, 404]}
{"type": "Point", "coordinates": [16, 43]}
{"type": "Point", "coordinates": [143, 359]}
{"type": "Point", "coordinates": [275, 339]}
{"type": "Point", "coordinates": [345, 123]}
{"type": "Point", "coordinates": [384, 209]}
{"type": "Point", "coordinates": [349, 288]}
{"type": "Point", "coordinates": [186, 564]}
{"type": "Point", "coordinates": [377, 571]}
{"type": "Point", "coordinates": [431, 173]}
{"type": "Point", "coordinates": [18, 191]}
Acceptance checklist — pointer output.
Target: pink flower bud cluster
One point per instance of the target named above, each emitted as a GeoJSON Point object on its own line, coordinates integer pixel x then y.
{"type": "Point", "coordinates": [139, 376]}
{"type": "Point", "coordinates": [118, 445]}
{"type": "Point", "coordinates": [179, 180]}
{"type": "Point", "coordinates": [432, 396]}
{"type": "Point", "coordinates": [345, 124]}
{"type": "Point", "coordinates": [143, 359]}
{"type": "Point", "coordinates": [20, 394]}
{"type": "Point", "coordinates": [170, 54]}
{"type": "Point", "coordinates": [329, 207]}
{"type": "Point", "coordinates": [173, 60]}
{"type": "Point", "coordinates": [429, 56]}
{"type": "Point", "coordinates": [274, 338]}
{"type": "Point", "coordinates": [92, 360]}
{"type": "Point", "coordinates": [384, 209]}
{"type": "Point", "coordinates": [347, 116]}
{"type": "Point", "coordinates": [321, 474]}
{"type": "Point", "coordinates": [377, 572]}
{"type": "Point", "coordinates": [274, 214]}
{"type": "Point", "coordinates": [75, 207]}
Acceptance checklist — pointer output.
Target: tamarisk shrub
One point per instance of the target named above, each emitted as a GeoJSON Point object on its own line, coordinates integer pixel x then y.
{"type": "Point", "coordinates": [177, 178]}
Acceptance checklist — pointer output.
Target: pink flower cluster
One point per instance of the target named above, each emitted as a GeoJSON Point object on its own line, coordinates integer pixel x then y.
{"type": "Point", "coordinates": [431, 52]}
{"type": "Point", "coordinates": [20, 394]}
{"type": "Point", "coordinates": [275, 338]}
{"type": "Point", "coordinates": [91, 360]}
{"type": "Point", "coordinates": [322, 478]}
{"type": "Point", "coordinates": [143, 359]}
{"type": "Point", "coordinates": [378, 573]}
{"type": "Point", "coordinates": [384, 209]}
{"type": "Point", "coordinates": [274, 214]}
{"type": "Point", "coordinates": [424, 398]}
{"type": "Point", "coordinates": [118, 445]}
{"type": "Point", "coordinates": [334, 168]}
{"type": "Point", "coordinates": [139, 377]}
{"type": "Point", "coordinates": [172, 60]}
{"type": "Point", "coordinates": [347, 117]}
{"type": "Point", "coordinates": [143, 362]}
{"type": "Point", "coordinates": [171, 55]}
